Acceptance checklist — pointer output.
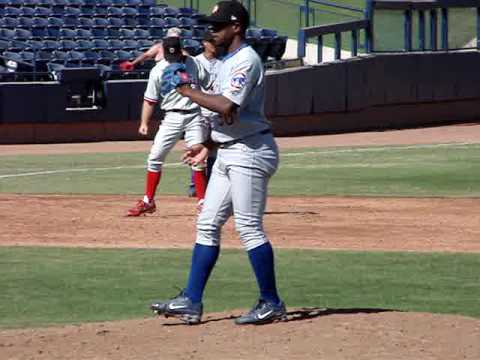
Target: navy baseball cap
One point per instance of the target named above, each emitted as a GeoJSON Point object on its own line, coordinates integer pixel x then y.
{"type": "Point", "coordinates": [228, 12]}
{"type": "Point", "coordinates": [172, 48]}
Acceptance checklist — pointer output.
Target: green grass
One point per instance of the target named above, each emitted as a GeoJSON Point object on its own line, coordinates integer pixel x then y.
{"type": "Point", "coordinates": [429, 170]}
{"type": "Point", "coordinates": [42, 286]}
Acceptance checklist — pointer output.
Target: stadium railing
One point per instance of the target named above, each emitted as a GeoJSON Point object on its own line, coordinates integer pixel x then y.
{"type": "Point", "coordinates": [410, 9]}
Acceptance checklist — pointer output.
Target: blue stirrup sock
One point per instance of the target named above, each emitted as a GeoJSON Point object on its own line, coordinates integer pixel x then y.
{"type": "Point", "coordinates": [263, 266]}
{"type": "Point", "coordinates": [203, 260]}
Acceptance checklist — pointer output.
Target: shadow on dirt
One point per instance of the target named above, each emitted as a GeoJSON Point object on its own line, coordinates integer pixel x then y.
{"type": "Point", "coordinates": [304, 314]}
{"type": "Point", "coordinates": [309, 313]}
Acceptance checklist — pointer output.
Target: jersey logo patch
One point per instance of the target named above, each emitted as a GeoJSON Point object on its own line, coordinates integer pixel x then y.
{"type": "Point", "coordinates": [238, 81]}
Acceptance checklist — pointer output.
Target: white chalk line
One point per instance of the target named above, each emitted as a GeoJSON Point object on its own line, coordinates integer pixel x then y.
{"type": "Point", "coordinates": [379, 148]}
{"type": "Point", "coordinates": [62, 171]}
{"type": "Point", "coordinates": [332, 151]}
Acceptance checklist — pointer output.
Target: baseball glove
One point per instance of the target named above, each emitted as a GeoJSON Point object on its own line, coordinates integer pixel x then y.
{"type": "Point", "coordinates": [126, 66]}
{"type": "Point", "coordinates": [173, 76]}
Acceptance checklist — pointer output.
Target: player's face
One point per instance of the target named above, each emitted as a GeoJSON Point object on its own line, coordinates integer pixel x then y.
{"type": "Point", "coordinates": [223, 34]}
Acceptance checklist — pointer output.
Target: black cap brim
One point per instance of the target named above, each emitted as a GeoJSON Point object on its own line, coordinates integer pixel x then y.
{"type": "Point", "coordinates": [211, 19]}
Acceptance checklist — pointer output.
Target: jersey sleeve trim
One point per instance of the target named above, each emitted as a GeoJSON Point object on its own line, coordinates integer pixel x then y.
{"type": "Point", "coordinates": [153, 101]}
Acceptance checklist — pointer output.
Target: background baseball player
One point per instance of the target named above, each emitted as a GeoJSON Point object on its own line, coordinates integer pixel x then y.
{"type": "Point", "coordinates": [154, 52]}
{"type": "Point", "coordinates": [181, 115]}
{"type": "Point", "coordinates": [210, 62]}
{"type": "Point", "coordinates": [247, 157]}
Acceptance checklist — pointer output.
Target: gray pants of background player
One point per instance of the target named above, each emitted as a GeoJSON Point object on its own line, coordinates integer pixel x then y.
{"type": "Point", "coordinates": [238, 186]}
{"type": "Point", "coordinates": [171, 130]}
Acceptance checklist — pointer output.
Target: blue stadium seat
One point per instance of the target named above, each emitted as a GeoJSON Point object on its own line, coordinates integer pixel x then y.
{"type": "Point", "coordinates": [43, 12]}
{"type": "Point", "coordinates": [34, 45]}
{"type": "Point", "coordinates": [171, 22]}
{"type": "Point", "coordinates": [67, 34]}
{"type": "Point", "coordinates": [197, 34]}
{"type": "Point", "coordinates": [84, 44]}
{"type": "Point", "coordinates": [130, 44]}
{"type": "Point", "coordinates": [157, 11]}
{"type": "Point", "coordinates": [99, 33]}
{"type": "Point", "coordinates": [74, 58]}
{"type": "Point", "coordinates": [7, 34]}
{"type": "Point", "coordinates": [4, 3]}
{"type": "Point", "coordinates": [42, 58]}
{"type": "Point", "coordinates": [115, 44]}
{"type": "Point", "coordinates": [156, 33]}
{"type": "Point", "coordinates": [149, 3]}
{"type": "Point", "coordinates": [185, 12]}
{"type": "Point", "coordinates": [122, 55]}
{"type": "Point", "coordinates": [90, 57]}
{"type": "Point", "coordinates": [27, 56]}
{"type": "Point", "coordinates": [170, 11]}
{"type": "Point", "coordinates": [129, 12]}
{"type": "Point", "coordinates": [13, 56]}
{"type": "Point", "coordinates": [100, 44]}
{"type": "Point", "coordinates": [106, 57]}
{"type": "Point", "coordinates": [59, 57]}
{"type": "Point", "coordinates": [85, 23]}
{"type": "Point", "coordinates": [84, 34]}
{"type": "Point", "coordinates": [119, 3]}
{"type": "Point", "coordinates": [144, 22]}
{"type": "Point", "coordinates": [187, 23]}
{"type": "Point", "coordinates": [87, 11]}
{"type": "Point", "coordinates": [101, 22]}
{"type": "Point", "coordinates": [100, 11]}
{"type": "Point", "coordinates": [53, 33]}
{"type": "Point", "coordinates": [16, 45]}
{"type": "Point", "coordinates": [67, 45]}
{"type": "Point", "coordinates": [12, 11]}
{"type": "Point", "coordinates": [114, 11]}
{"type": "Point", "coordinates": [130, 22]}
{"type": "Point", "coordinates": [46, 3]}
{"type": "Point", "coordinates": [39, 32]}
{"type": "Point", "coordinates": [136, 3]}
{"type": "Point", "coordinates": [58, 10]}
{"type": "Point", "coordinates": [144, 44]}
{"type": "Point", "coordinates": [113, 33]}
{"type": "Point", "coordinates": [104, 3]}
{"type": "Point", "coordinates": [54, 22]}
{"type": "Point", "coordinates": [187, 34]}
{"type": "Point", "coordinates": [116, 23]}
{"type": "Point", "coordinates": [27, 11]}
{"type": "Point", "coordinates": [90, 3]}
{"type": "Point", "coordinates": [157, 23]}
{"type": "Point", "coordinates": [50, 45]}
{"type": "Point", "coordinates": [4, 45]}
{"type": "Point", "coordinates": [127, 34]}
{"type": "Point", "coordinates": [22, 34]}
{"type": "Point", "coordinates": [38, 22]}
{"type": "Point", "coordinates": [71, 22]}
{"type": "Point", "coordinates": [10, 22]}
{"type": "Point", "coordinates": [72, 12]}
{"type": "Point", "coordinates": [16, 3]}
{"type": "Point", "coordinates": [75, 3]}
{"type": "Point", "coordinates": [193, 47]}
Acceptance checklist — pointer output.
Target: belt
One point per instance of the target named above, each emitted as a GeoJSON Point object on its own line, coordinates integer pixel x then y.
{"type": "Point", "coordinates": [226, 144]}
{"type": "Point", "coordinates": [182, 111]}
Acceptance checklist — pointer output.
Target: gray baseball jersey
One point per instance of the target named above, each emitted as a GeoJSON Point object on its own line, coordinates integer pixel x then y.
{"type": "Point", "coordinates": [173, 100]}
{"type": "Point", "coordinates": [211, 66]}
{"type": "Point", "coordinates": [174, 124]}
{"type": "Point", "coordinates": [241, 79]}
{"type": "Point", "coordinates": [240, 175]}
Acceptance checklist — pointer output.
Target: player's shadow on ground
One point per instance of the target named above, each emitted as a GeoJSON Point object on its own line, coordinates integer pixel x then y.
{"type": "Point", "coordinates": [291, 212]}
{"type": "Point", "coordinates": [305, 314]}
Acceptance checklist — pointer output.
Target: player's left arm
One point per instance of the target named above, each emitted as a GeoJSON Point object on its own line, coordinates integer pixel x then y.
{"type": "Point", "coordinates": [234, 93]}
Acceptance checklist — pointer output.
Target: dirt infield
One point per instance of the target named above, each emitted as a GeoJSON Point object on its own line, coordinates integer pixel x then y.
{"type": "Point", "coordinates": [405, 224]}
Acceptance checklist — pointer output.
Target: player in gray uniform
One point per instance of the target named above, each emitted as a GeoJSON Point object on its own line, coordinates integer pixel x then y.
{"type": "Point", "coordinates": [210, 62]}
{"type": "Point", "coordinates": [247, 157]}
{"type": "Point", "coordinates": [181, 115]}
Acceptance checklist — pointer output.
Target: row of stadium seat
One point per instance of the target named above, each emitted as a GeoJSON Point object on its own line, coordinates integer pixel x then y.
{"type": "Point", "coordinates": [87, 23]}
{"type": "Point", "coordinates": [79, 3]}
{"type": "Point", "coordinates": [127, 11]}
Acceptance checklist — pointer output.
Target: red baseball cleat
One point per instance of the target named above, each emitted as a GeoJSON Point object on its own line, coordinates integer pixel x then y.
{"type": "Point", "coordinates": [142, 208]}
